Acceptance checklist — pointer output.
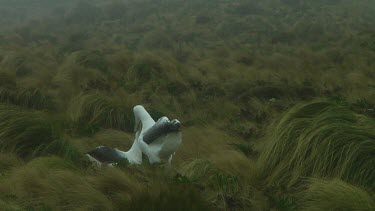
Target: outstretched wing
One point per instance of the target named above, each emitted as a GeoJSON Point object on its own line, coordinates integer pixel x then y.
{"type": "Point", "coordinates": [105, 154]}
{"type": "Point", "coordinates": [143, 120]}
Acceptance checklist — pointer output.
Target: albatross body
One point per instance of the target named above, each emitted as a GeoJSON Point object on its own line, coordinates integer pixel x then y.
{"type": "Point", "coordinates": [157, 140]}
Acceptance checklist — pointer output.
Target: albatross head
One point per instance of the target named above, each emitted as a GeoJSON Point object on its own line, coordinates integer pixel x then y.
{"type": "Point", "coordinates": [175, 124]}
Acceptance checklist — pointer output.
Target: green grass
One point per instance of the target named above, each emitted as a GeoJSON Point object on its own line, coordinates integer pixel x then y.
{"type": "Point", "coordinates": [25, 130]}
{"type": "Point", "coordinates": [32, 98]}
{"type": "Point", "coordinates": [336, 195]}
{"type": "Point", "coordinates": [320, 139]}
{"type": "Point", "coordinates": [102, 110]}
{"type": "Point", "coordinates": [32, 133]}
{"type": "Point", "coordinates": [276, 99]}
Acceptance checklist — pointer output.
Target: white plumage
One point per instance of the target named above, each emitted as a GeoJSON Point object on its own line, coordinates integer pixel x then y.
{"type": "Point", "coordinates": [164, 134]}
{"type": "Point", "coordinates": [157, 140]}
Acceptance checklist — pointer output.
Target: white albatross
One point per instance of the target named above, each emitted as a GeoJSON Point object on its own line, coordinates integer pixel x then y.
{"type": "Point", "coordinates": [158, 141]}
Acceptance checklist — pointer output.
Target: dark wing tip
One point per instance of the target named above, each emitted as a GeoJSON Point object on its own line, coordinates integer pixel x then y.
{"type": "Point", "coordinates": [105, 154]}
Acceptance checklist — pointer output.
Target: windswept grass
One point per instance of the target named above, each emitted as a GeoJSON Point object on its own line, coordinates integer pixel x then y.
{"type": "Point", "coordinates": [52, 184]}
{"type": "Point", "coordinates": [71, 72]}
{"type": "Point", "coordinates": [336, 194]}
{"type": "Point", "coordinates": [102, 110]}
{"type": "Point", "coordinates": [32, 98]}
{"type": "Point", "coordinates": [24, 130]}
{"type": "Point", "coordinates": [6, 95]}
{"type": "Point", "coordinates": [320, 139]}
{"type": "Point", "coordinates": [32, 133]}
{"type": "Point", "coordinates": [170, 197]}
{"type": "Point", "coordinates": [8, 161]}
{"type": "Point", "coordinates": [223, 188]}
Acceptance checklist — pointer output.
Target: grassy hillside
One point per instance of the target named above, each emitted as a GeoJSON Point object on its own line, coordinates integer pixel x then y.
{"type": "Point", "coordinates": [277, 99]}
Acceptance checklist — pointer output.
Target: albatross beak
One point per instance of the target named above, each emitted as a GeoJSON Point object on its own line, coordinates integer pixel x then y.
{"type": "Point", "coordinates": [176, 124]}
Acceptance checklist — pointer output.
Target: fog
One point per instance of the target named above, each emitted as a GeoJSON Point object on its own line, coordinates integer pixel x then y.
{"type": "Point", "coordinates": [276, 99]}
{"type": "Point", "coordinates": [176, 21]}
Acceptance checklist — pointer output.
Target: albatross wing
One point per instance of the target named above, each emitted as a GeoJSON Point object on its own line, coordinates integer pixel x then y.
{"type": "Point", "coordinates": [105, 154]}
{"type": "Point", "coordinates": [143, 120]}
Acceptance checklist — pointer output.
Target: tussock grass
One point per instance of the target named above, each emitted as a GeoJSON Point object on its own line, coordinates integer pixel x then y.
{"type": "Point", "coordinates": [204, 145]}
{"type": "Point", "coordinates": [320, 139]}
{"type": "Point", "coordinates": [226, 69]}
{"type": "Point", "coordinates": [62, 148]}
{"type": "Point", "coordinates": [180, 197]}
{"type": "Point", "coordinates": [105, 137]}
{"type": "Point", "coordinates": [51, 162]}
{"type": "Point", "coordinates": [49, 184]}
{"type": "Point", "coordinates": [32, 98]}
{"type": "Point", "coordinates": [8, 161]}
{"type": "Point", "coordinates": [236, 164]}
{"type": "Point", "coordinates": [99, 109]}
{"type": "Point", "coordinates": [53, 183]}
{"type": "Point", "coordinates": [336, 194]}
{"type": "Point", "coordinates": [31, 133]}
{"type": "Point", "coordinates": [9, 206]}
{"type": "Point", "coordinates": [226, 184]}
{"type": "Point", "coordinates": [117, 185]}
{"type": "Point", "coordinates": [7, 80]}
{"type": "Point", "coordinates": [20, 130]}
{"type": "Point", "coordinates": [145, 68]}
{"type": "Point", "coordinates": [6, 95]}
{"type": "Point", "coordinates": [158, 70]}
{"type": "Point", "coordinates": [197, 169]}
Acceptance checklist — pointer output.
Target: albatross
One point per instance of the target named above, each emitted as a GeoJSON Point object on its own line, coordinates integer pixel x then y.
{"type": "Point", "coordinates": [157, 140]}
{"type": "Point", "coordinates": [110, 156]}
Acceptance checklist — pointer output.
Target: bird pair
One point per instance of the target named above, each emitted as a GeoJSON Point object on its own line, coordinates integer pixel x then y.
{"type": "Point", "coordinates": [157, 140]}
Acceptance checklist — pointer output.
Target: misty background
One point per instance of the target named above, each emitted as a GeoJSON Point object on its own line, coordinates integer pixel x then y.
{"type": "Point", "coordinates": [276, 98]}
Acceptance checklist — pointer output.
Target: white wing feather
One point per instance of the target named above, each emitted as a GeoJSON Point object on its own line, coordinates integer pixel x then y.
{"type": "Point", "coordinates": [163, 147]}
{"type": "Point", "coordinates": [143, 120]}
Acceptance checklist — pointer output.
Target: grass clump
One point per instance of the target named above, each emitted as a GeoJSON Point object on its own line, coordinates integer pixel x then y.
{"type": "Point", "coordinates": [52, 163]}
{"type": "Point", "coordinates": [33, 98]}
{"type": "Point", "coordinates": [31, 133]}
{"type": "Point", "coordinates": [225, 69]}
{"type": "Point", "coordinates": [336, 194]}
{"type": "Point", "coordinates": [320, 139]}
{"type": "Point", "coordinates": [99, 109]}
{"type": "Point", "coordinates": [176, 197]}
{"type": "Point", "coordinates": [52, 184]}
{"type": "Point", "coordinates": [23, 131]}
{"type": "Point", "coordinates": [6, 95]}
{"type": "Point", "coordinates": [8, 161]}
{"type": "Point", "coordinates": [221, 188]}
{"type": "Point", "coordinates": [63, 149]}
